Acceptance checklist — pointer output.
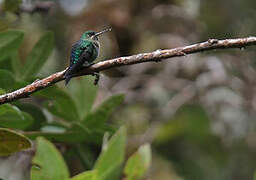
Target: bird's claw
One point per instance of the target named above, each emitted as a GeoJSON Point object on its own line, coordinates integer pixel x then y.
{"type": "Point", "coordinates": [97, 78]}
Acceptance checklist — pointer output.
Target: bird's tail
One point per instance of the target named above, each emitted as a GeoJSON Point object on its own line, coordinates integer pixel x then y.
{"type": "Point", "coordinates": [68, 76]}
{"type": "Point", "coordinates": [67, 79]}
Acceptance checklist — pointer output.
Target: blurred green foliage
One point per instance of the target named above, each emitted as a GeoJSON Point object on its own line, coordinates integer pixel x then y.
{"type": "Point", "coordinates": [197, 112]}
{"type": "Point", "coordinates": [38, 56]}
{"type": "Point", "coordinates": [10, 41]}
{"type": "Point", "coordinates": [138, 163]}
{"type": "Point", "coordinates": [76, 121]}
{"type": "Point", "coordinates": [12, 5]}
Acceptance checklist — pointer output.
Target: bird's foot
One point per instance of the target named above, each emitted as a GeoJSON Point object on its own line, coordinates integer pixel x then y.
{"type": "Point", "coordinates": [97, 77]}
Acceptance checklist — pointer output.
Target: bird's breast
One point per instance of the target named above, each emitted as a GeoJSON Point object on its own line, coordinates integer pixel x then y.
{"type": "Point", "coordinates": [96, 48]}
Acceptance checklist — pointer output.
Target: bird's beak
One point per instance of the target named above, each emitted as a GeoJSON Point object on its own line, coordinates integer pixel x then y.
{"type": "Point", "coordinates": [101, 32]}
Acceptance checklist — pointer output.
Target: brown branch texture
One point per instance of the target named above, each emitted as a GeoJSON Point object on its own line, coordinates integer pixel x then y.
{"type": "Point", "coordinates": [156, 56]}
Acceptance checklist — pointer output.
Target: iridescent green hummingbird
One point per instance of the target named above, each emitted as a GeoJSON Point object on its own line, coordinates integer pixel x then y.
{"type": "Point", "coordinates": [84, 52]}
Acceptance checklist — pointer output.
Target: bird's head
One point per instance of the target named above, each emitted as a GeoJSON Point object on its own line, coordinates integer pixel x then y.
{"type": "Point", "coordinates": [93, 35]}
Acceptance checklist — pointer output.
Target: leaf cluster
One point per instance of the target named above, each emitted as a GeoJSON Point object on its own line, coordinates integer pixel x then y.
{"type": "Point", "coordinates": [63, 116]}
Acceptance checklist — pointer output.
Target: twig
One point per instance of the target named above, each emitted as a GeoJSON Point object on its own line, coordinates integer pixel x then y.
{"type": "Point", "coordinates": [38, 6]}
{"type": "Point", "coordinates": [129, 60]}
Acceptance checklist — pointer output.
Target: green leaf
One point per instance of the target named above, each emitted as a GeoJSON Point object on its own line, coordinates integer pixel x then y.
{"type": "Point", "coordinates": [112, 156]}
{"type": "Point", "coordinates": [9, 42]}
{"type": "Point", "coordinates": [6, 79]}
{"type": "Point", "coordinates": [138, 163]}
{"type": "Point", "coordinates": [60, 103]}
{"type": "Point", "coordinates": [6, 63]}
{"type": "Point", "coordinates": [68, 137]}
{"type": "Point", "coordinates": [48, 162]}
{"type": "Point", "coordinates": [87, 175]}
{"type": "Point", "coordinates": [16, 64]}
{"type": "Point", "coordinates": [38, 56]}
{"type": "Point", "coordinates": [74, 134]}
{"type": "Point", "coordinates": [35, 112]}
{"type": "Point", "coordinates": [86, 155]}
{"type": "Point", "coordinates": [11, 142]}
{"type": "Point", "coordinates": [12, 117]}
{"type": "Point", "coordinates": [97, 118]}
{"type": "Point", "coordinates": [84, 93]}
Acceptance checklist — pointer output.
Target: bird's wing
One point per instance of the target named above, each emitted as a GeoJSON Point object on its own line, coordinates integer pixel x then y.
{"type": "Point", "coordinates": [74, 67]}
{"type": "Point", "coordinates": [73, 53]}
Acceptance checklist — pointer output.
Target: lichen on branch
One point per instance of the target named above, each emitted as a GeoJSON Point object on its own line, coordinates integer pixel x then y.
{"type": "Point", "coordinates": [156, 56]}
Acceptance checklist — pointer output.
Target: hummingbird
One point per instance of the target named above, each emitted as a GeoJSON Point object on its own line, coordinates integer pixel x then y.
{"type": "Point", "coordinates": [84, 52]}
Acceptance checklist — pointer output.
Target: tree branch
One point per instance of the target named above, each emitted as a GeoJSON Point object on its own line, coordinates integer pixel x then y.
{"type": "Point", "coordinates": [38, 6]}
{"type": "Point", "coordinates": [156, 56]}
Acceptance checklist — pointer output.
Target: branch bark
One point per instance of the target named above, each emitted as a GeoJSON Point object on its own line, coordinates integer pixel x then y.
{"type": "Point", "coordinates": [156, 56]}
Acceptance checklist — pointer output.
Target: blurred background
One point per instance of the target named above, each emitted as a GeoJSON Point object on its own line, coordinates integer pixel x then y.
{"type": "Point", "coordinates": [197, 112]}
